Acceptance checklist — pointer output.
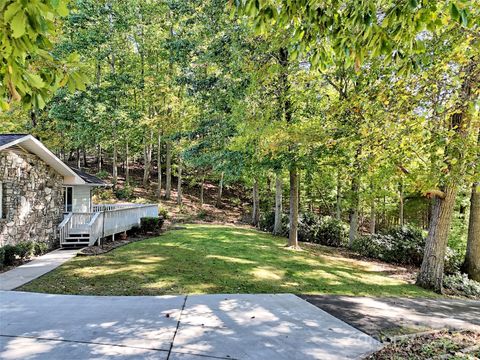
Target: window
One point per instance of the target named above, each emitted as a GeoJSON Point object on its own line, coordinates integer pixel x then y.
{"type": "Point", "coordinates": [68, 198]}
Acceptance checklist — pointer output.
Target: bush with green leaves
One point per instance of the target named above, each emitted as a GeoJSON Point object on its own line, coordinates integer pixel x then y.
{"type": "Point", "coordinates": [163, 212]}
{"type": "Point", "coordinates": [151, 224]}
{"type": "Point", "coordinates": [460, 284]}
{"type": "Point", "coordinates": [267, 222]}
{"type": "Point", "coordinates": [453, 261]}
{"type": "Point", "coordinates": [2, 256]}
{"type": "Point", "coordinates": [102, 174]}
{"type": "Point", "coordinates": [124, 193]}
{"type": "Point", "coordinates": [321, 230]}
{"type": "Point", "coordinates": [402, 245]}
{"type": "Point", "coordinates": [9, 254]}
{"type": "Point", "coordinates": [25, 249]}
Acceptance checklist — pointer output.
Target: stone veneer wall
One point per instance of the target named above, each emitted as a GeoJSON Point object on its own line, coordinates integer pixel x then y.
{"type": "Point", "coordinates": [32, 198]}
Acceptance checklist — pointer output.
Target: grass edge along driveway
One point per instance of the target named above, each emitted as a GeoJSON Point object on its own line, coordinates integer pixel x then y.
{"type": "Point", "coordinates": [206, 259]}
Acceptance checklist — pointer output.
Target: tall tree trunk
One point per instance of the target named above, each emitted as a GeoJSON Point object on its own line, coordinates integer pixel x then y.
{"type": "Point", "coordinates": [401, 205]}
{"type": "Point", "coordinates": [168, 174]}
{"type": "Point", "coordinates": [277, 227]}
{"type": "Point", "coordinates": [372, 217]}
{"type": "Point", "coordinates": [84, 153]}
{"type": "Point", "coordinates": [256, 204]}
{"type": "Point", "coordinates": [78, 158]}
{"type": "Point", "coordinates": [159, 164]}
{"type": "Point", "coordinates": [338, 205]}
{"type": "Point", "coordinates": [202, 186]}
{"type": "Point", "coordinates": [114, 165]}
{"type": "Point", "coordinates": [179, 183]}
{"type": "Point", "coordinates": [127, 164]}
{"type": "Point", "coordinates": [431, 272]}
{"type": "Point", "coordinates": [471, 265]}
{"type": "Point", "coordinates": [352, 235]}
{"type": "Point", "coordinates": [99, 158]}
{"type": "Point", "coordinates": [220, 191]}
{"type": "Point", "coordinates": [293, 231]}
{"type": "Point", "coordinates": [147, 158]}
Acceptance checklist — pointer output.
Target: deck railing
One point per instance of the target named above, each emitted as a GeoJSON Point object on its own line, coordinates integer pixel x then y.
{"type": "Point", "coordinates": [105, 220]}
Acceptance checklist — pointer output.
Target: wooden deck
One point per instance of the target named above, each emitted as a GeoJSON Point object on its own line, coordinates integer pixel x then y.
{"type": "Point", "coordinates": [82, 229]}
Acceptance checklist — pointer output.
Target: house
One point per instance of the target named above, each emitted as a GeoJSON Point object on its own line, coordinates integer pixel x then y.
{"type": "Point", "coordinates": [43, 199]}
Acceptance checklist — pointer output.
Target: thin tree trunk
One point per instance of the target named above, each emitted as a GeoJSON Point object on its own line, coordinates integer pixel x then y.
{"type": "Point", "coordinates": [114, 165]}
{"type": "Point", "coordinates": [338, 206]}
{"type": "Point", "coordinates": [372, 217]}
{"type": "Point", "coordinates": [179, 184]}
{"type": "Point", "coordinates": [168, 181]}
{"type": "Point", "coordinates": [277, 227]}
{"type": "Point", "coordinates": [159, 164]}
{"type": "Point", "coordinates": [202, 186]}
{"type": "Point", "coordinates": [127, 164]}
{"type": "Point", "coordinates": [401, 205]}
{"type": "Point", "coordinates": [220, 191]}
{"type": "Point", "coordinates": [352, 235]}
{"type": "Point", "coordinates": [256, 204]}
{"type": "Point", "coordinates": [293, 231]}
{"type": "Point", "coordinates": [84, 152]}
{"type": "Point", "coordinates": [471, 265]}
{"type": "Point", "coordinates": [78, 158]}
{"type": "Point", "coordinates": [147, 157]}
{"type": "Point", "coordinates": [99, 158]}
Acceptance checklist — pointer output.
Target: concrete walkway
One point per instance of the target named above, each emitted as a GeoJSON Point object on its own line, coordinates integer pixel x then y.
{"type": "Point", "coordinates": [194, 327]}
{"type": "Point", "coordinates": [23, 274]}
{"type": "Point", "coordinates": [383, 316]}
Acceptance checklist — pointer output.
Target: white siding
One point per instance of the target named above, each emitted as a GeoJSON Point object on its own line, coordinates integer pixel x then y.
{"type": "Point", "coordinates": [81, 198]}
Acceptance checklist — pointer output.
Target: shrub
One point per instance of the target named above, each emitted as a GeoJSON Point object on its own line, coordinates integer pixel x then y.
{"type": "Point", "coordinates": [460, 284]}
{"type": "Point", "coordinates": [267, 222]}
{"type": "Point", "coordinates": [400, 245]}
{"type": "Point", "coordinates": [10, 252]}
{"type": "Point", "coordinates": [104, 194]}
{"type": "Point", "coordinates": [2, 257]}
{"type": "Point", "coordinates": [25, 249]}
{"type": "Point", "coordinates": [453, 261]}
{"type": "Point", "coordinates": [151, 224]}
{"type": "Point", "coordinates": [124, 193]}
{"type": "Point", "coordinates": [40, 248]}
{"type": "Point", "coordinates": [163, 212]}
{"type": "Point", "coordinates": [331, 232]}
{"type": "Point", "coordinates": [102, 174]}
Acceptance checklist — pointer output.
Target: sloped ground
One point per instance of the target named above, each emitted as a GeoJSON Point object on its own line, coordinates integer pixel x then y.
{"type": "Point", "coordinates": [209, 259]}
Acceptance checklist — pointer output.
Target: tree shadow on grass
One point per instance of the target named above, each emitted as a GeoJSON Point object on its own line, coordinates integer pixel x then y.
{"type": "Point", "coordinates": [217, 259]}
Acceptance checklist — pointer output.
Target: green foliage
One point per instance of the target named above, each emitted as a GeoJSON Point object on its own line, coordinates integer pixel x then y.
{"type": "Point", "coordinates": [9, 254]}
{"type": "Point", "coordinates": [124, 193]}
{"type": "Point", "coordinates": [267, 222]}
{"type": "Point", "coordinates": [322, 230]}
{"type": "Point", "coordinates": [151, 224]}
{"type": "Point", "coordinates": [102, 174]}
{"type": "Point", "coordinates": [163, 212]}
{"type": "Point", "coordinates": [30, 71]}
{"type": "Point", "coordinates": [460, 284]}
{"type": "Point", "coordinates": [402, 245]}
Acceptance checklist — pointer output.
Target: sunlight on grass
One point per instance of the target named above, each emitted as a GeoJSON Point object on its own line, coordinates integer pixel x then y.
{"type": "Point", "coordinates": [219, 259]}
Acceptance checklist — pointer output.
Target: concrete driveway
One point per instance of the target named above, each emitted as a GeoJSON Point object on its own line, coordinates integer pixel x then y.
{"type": "Point", "coordinates": [42, 326]}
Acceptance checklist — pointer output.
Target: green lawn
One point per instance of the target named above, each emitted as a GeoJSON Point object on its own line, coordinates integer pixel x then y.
{"type": "Point", "coordinates": [219, 259]}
